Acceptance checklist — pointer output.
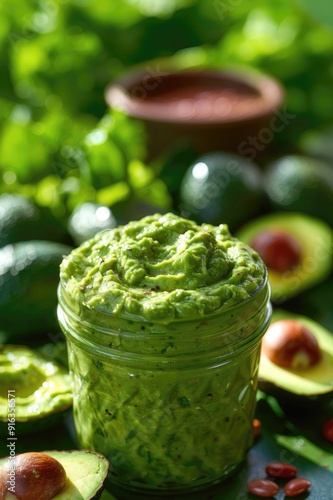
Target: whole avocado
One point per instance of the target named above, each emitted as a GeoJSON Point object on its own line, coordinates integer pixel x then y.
{"type": "Point", "coordinates": [220, 188]}
{"type": "Point", "coordinates": [88, 219]}
{"type": "Point", "coordinates": [21, 219]}
{"type": "Point", "coordinates": [29, 275]}
{"type": "Point", "coordinates": [301, 183]}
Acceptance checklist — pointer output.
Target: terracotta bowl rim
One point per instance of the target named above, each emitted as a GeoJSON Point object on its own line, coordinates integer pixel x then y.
{"type": "Point", "coordinates": [270, 92]}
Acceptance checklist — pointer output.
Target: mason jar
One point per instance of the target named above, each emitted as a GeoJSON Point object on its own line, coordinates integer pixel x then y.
{"type": "Point", "coordinates": [171, 405]}
{"type": "Point", "coordinates": [163, 320]}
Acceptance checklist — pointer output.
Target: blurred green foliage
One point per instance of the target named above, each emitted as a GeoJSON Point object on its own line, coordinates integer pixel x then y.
{"type": "Point", "coordinates": [60, 144]}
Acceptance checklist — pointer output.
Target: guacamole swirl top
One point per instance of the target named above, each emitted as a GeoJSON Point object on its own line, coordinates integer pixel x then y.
{"type": "Point", "coordinates": [162, 268]}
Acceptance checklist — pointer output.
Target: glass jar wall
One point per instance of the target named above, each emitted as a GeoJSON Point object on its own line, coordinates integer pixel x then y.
{"type": "Point", "coordinates": [170, 406]}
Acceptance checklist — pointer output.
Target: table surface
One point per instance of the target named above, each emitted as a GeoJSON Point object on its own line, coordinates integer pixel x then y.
{"type": "Point", "coordinates": [296, 439]}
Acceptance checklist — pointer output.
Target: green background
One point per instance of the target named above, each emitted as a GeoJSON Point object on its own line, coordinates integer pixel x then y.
{"type": "Point", "coordinates": [57, 57]}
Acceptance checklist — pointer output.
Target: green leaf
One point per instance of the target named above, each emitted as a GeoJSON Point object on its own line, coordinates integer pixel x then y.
{"type": "Point", "coordinates": [155, 193]}
{"type": "Point", "coordinates": [105, 160]}
{"type": "Point", "coordinates": [22, 151]}
{"type": "Point", "coordinates": [139, 175]}
{"type": "Point", "coordinates": [321, 10]}
{"type": "Point", "coordinates": [112, 194]}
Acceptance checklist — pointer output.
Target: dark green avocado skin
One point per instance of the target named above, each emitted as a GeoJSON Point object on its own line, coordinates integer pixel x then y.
{"type": "Point", "coordinates": [301, 183]}
{"type": "Point", "coordinates": [221, 188]}
{"type": "Point", "coordinates": [29, 276]}
{"type": "Point", "coordinates": [289, 397]}
{"type": "Point", "coordinates": [21, 220]}
{"type": "Point", "coordinates": [295, 404]}
{"type": "Point", "coordinates": [317, 302]}
{"type": "Point", "coordinates": [28, 427]}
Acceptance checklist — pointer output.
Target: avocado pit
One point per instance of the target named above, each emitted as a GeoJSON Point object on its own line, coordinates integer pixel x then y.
{"type": "Point", "coordinates": [278, 249]}
{"type": "Point", "coordinates": [289, 344]}
{"type": "Point", "coordinates": [36, 475]}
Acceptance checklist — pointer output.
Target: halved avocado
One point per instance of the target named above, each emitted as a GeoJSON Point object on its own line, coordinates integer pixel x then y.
{"type": "Point", "coordinates": [34, 391]}
{"type": "Point", "coordinates": [86, 473]}
{"type": "Point", "coordinates": [315, 241]}
{"type": "Point", "coordinates": [296, 389]}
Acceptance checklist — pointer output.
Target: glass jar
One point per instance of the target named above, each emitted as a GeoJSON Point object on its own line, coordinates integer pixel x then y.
{"type": "Point", "coordinates": [170, 406]}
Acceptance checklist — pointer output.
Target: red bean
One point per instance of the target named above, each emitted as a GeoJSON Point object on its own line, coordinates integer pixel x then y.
{"type": "Point", "coordinates": [281, 469]}
{"type": "Point", "coordinates": [296, 487]}
{"type": "Point", "coordinates": [263, 488]}
{"type": "Point", "coordinates": [328, 430]}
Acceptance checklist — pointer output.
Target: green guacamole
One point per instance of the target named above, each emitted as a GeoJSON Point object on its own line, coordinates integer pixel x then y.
{"type": "Point", "coordinates": [163, 320]}
{"type": "Point", "coordinates": [162, 268]}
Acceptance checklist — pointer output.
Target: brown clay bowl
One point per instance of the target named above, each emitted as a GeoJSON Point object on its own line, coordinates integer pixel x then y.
{"type": "Point", "coordinates": [212, 109]}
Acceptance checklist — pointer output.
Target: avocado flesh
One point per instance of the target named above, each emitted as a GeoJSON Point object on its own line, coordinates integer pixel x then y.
{"type": "Point", "coordinates": [86, 473]}
{"type": "Point", "coordinates": [42, 388]}
{"type": "Point", "coordinates": [311, 383]}
{"type": "Point", "coordinates": [316, 241]}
